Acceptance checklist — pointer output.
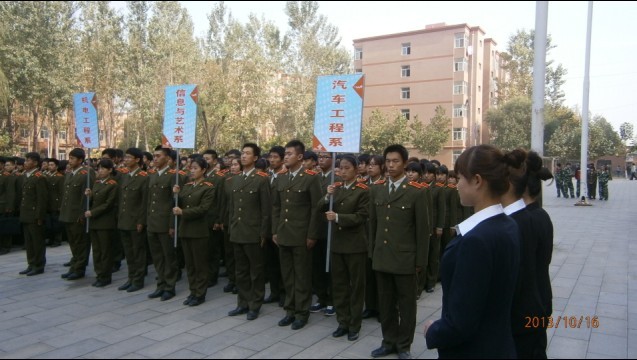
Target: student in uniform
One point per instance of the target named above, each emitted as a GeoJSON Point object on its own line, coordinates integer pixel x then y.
{"type": "Point", "coordinates": [33, 214]}
{"type": "Point", "coordinates": [348, 247]}
{"type": "Point", "coordinates": [272, 263]}
{"type": "Point", "coordinates": [479, 268]}
{"type": "Point", "coordinates": [102, 217]}
{"type": "Point", "coordinates": [195, 199]}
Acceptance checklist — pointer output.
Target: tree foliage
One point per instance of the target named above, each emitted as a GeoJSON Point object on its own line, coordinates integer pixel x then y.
{"type": "Point", "coordinates": [603, 140]}
{"type": "Point", "coordinates": [430, 139]}
{"type": "Point", "coordinates": [510, 124]}
{"type": "Point", "coordinates": [381, 130]}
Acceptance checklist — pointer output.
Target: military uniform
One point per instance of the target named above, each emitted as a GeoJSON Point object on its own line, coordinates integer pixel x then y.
{"type": "Point", "coordinates": [72, 215]}
{"type": "Point", "coordinates": [227, 246]}
{"type": "Point", "coordinates": [454, 209]}
{"type": "Point", "coordinates": [250, 224]}
{"type": "Point", "coordinates": [294, 220]}
{"type": "Point", "coordinates": [215, 217]}
{"type": "Point", "coordinates": [591, 182]}
{"type": "Point", "coordinates": [195, 200]}
{"type": "Point", "coordinates": [133, 204]}
{"type": "Point", "coordinates": [567, 182]}
{"type": "Point", "coordinates": [272, 261]}
{"type": "Point", "coordinates": [371, 289]}
{"type": "Point", "coordinates": [7, 207]}
{"type": "Point", "coordinates": [399, 245]}
{"type": "Point", "coordinates": [55, 191]}
{"type": "Point", "coordinates": [349, 252]}
{"type": "Point", "coordinates": [439, 199]}
{"type": "Point", "coordinates": [159, 220]}
{"type": "Point", "coordinates": [603, 178]}
{"type": "Point", "coordinates": [32, 217]}
{"type": "Point", "coordinates": [102, 223]}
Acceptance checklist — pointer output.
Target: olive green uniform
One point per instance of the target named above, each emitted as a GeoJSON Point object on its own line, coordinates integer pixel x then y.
{"type": "Point", "coordinates": [399, 244]}
{"type": "Point", "coordinates": [439, 197]}
{"type": "Point", "coordinates": [349, 253]}
{"type": "Point", "coordinates": [272, 262]}
{"type": "Point", "coordinates": [32, 217]}
{"type": "Point", "coordinates": [7, 207]}
{"type": "Point", "coordinates": [294, 220]}
{"type": "Point", "coordinates": [228, 250]}
{"type": "Point", "coordinates": [55, 191]}
{"type": "Point", "coordinates": [195, 200]}
{"type": "Point", "coordinates": [133, 202]}
{"type": "Point", "coordinates": [250, 224]}
{"type": "Point", "coordinates": [160, 219]}
{"type": "Point", "coordinates": [103, 222]}
{"type": "Point", "coordinates": [215, 217]}
{"type": "Point", "coordinates": [72, 215]}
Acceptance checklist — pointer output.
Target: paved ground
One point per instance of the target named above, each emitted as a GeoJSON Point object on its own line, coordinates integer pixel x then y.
{"type": "Point", "coordinates": [594, 272]}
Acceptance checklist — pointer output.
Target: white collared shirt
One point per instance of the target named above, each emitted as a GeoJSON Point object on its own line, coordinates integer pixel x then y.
{"type": "Point", "coordinates": [132, 173]}
{"type": "Point", "coordinates": [31, 173]}
{"type": "Point", "coordinates": [76, 170]}
{"type": "Point", "coordinates": [162, 171]}
{"type": "Point", "coordinates": [246, 174]}
{"type": "Point", "coordinates": [515, 207]}
{"type": "Point", "coordinates": [397, 183]}
{"type": "Point", "coordinates": [475, 219]}
{"type": "Point", "coordinates": [293, 174]}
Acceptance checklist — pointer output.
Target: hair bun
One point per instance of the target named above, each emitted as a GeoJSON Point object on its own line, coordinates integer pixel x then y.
{"type": "Point", "coordinates": [515, 158]}
{"type": "Point", "coordinates": [534, 162]}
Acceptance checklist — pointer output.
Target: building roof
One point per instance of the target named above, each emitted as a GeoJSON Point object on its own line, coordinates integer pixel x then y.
{"type": "Point", "coordinates": [427, 29]}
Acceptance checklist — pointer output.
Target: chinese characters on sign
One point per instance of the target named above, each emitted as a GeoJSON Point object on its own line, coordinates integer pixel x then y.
{"type": "Point", "coordinates": [86, 129]}
{"type": "Point", "coordinates": [339, 110]}
{"type": "Point", "coordinates": [180, 116]}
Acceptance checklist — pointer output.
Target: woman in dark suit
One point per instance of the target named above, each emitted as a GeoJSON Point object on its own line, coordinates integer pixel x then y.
{"type": "Point", "coordinates": [348, 247]}
{"type": "Point", "coordinates": [195, 199]}
{"type": "Point", "coordinates": [479, 267]}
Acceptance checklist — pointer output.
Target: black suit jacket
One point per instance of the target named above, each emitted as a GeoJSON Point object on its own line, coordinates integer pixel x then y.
{"type": "Point", "coordinates": [543, 225]}
{"type": "Point", "coordinates": [479, 273]}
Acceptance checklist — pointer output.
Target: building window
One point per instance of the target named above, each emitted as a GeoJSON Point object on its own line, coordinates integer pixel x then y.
{"type": "Point", "coordinates": [405, 113]}
{"type": "Point", "coordinates": [460, 40]}
{"type": "Point", "coordinates": [358, 54]}
{"type": "Point", "coordinates": [405, 93]}
{"type": "Point", "coordinates": [44, 133]}
{"type": "Point", "coordinates": [459, 133]}
{"type": "Point", "coordinates": [459, 64]}
{"type": "Point", "coordinates": [459, 111]}
{"type": "Point", "coordinates": [456, 155]}
{"type": "Point", "coordinates": [62, 155]}
{"type": "Point", "coordinates": [62, 135]}
{"type": "Point", "coordinates": [459, 87]}
{"type": "Point", "coordinates": [24, 133]}
{"type": "Point", "coordinates": [406, 49]}
{"type": "Point", "coordinates": [405, 71]}
{"type": "Point", "coordinates": [358, 71]}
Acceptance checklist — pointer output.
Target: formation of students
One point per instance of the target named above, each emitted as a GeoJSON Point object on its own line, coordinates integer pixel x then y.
{"type": "Point", "coordinates": [398, 225]}
{"type": "Point", "coordinates": [594, 179]}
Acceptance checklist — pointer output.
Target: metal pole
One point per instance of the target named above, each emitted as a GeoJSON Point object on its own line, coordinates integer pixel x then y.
{"type": "Point", "coordinates": [587, 85]}
{"type": "Point", "coordinates": [329, 223]}
{"type": "Point", "coordinates": [88, 186]}
{"type": "Point", "coordinates": [176, 196]}
{"type": "Point", "coordinates": [539, 74]}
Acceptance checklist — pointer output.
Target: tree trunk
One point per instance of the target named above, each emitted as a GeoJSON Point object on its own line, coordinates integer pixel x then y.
{"type": "Point", "coordinates": [35, 112]}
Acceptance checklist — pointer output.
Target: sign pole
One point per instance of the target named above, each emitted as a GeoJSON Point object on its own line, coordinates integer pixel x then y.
{"type": "Point", "coordinates": [329, 224]}
{"type": "Point", "coordinates": [176, 197]}
{"type": "Point", "coordinates": [88, 186]}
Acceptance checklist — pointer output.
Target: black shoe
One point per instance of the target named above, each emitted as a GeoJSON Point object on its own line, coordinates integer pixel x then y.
{"type": "Point", "coordinates": [287, 320]}
{"type": "Point", "coordinates": [238, 311]}
{"type": "Point", "coordinates": [353, 336]}
{"type": "Point", "coordinates": [382, 351]}
{"type": "Point", "coordinates": [67, 264]}
{"type": "Point", "coordinates": [157, 293]}
{"type": "Point", "coordinates": [252, 315]}
{"type": "Point", "coordinates": [65, 275]}
{"type": "Point", "coordinates": [404, 355]}
{"type": "Point", "coordinates": [223, 274]}
{"type": "Point", "coordinates": [134, 288]}
{"type": "Point", "coordinates": [429, 290]}
{"type": "Point", "coordinates": [212, 283]}
{"type": "Point", "coordinates": [368, 314]}
{"type": "Point", "coordinates": [228, 288]}
{"type": "Point", "coordinates": [75, 276]}
{"type": "Point", "coordinates": [340, 332]}
{"type": "Point", "coordinates": [125, 286]}
{"type": "Point", "coordinates": [26, 271]}
{"type": "Point", "coordinates": [271, 299]}
{"type": "Point", "coordinates": [100, 284]}
{"type": "Point", "coordinates": [298, 324]}
{"type": "Point", "coordinates": [167, 295]}
{"type": "Point", "coordinates": [35, 272]}
{"type": "Point", "coordinates": [188, 299]}
{"type": "Point", "coordinates": [197, 300]}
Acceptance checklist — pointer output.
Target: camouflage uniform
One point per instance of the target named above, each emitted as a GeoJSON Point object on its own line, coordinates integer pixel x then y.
{"type": "Point", "coordinates": [603, 178]}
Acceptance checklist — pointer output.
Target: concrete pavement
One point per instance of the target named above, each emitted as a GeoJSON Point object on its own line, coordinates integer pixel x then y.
{"type": "Point", "coordinates": [594, 273]}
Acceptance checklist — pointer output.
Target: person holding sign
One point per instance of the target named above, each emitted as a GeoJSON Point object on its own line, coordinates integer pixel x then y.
{"type": "Point", "coordinates": [103, 220]}
{"type": "Point", "coordinates": [195, 200]}
{"type": "Point", "coordinates": [348, 247]}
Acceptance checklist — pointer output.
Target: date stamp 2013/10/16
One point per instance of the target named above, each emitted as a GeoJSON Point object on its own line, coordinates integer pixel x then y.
{"type": "Point", "coordinates": [568, 322]}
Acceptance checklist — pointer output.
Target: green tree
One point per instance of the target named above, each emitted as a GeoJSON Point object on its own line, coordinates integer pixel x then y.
{"type": "Point", "coordinates": [626, 131]}
{"type": "Point", "coordinates": [380, 131]}
{"type": "Point", "coordinates": [510, 124]}
{"type": "Point", "coordinates": [430, 139]}
{"type": "Point", "coordinates": [603, 140]}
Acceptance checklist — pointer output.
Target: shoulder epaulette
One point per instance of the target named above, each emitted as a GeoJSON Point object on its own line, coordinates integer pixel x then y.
{"type": "Point", "coordinates": [6, 173]}
{"type": "Point", "coordinates": [38, 174]}
{"type": "Point", "coordinates": [152, 171]}
{"type": "Point", "coordinates": [361, 180]}
{"type": "Point", "coordinates": [283, 171]}
{"type": "Point", "coordinates": [338, 184]}
{"type": "Point", "coordinates": [112, 182]}
{"type": "Point", "coordinates": [190, 183]}
{"type": "Point", "coordinates": [183, 173]}
{"type": "Point", "coordinates": [379, 182]}
{"type": "Point", "coordinates": [440, 184]}
{"type": "Point", "coordinates": [59, 174]}
{"type": "Point", "coordinates": [224, 171]}
{"type": "Point", "coordinates": [362, 186]}
{"type": "Point", "coordinates": [451, 186]}
{"type": "Point", "coordinates": [83, 172]}
{"type": "Point", "coordinates": [310, 172]}
{"type": "Point", "coordinates": [209, 184]}
{"type": "Point", "coordinates": [172, 171]}
{"type": "Point", "coordinates": [261, 173]}
{"type": "Point", "coordinates": [123, 170]}
{"type": "Point", "coordinates": [142, 173]}
{"type": "Point", "coordinates": [416, 184]}
{"type": "Point", "coordinates": [425, 185]}
{"type": "Point", "coordinates": [220, 173]}
{"type": "Point", "coordinates": [229, 178]}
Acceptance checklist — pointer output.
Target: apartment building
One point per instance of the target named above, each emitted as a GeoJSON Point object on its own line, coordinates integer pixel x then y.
{"type": "Point", "coordinates": [455, 66]}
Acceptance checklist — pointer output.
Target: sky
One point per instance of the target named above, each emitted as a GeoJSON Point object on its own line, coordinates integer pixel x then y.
{"type": "Point", "coordinates": [613, 49]}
